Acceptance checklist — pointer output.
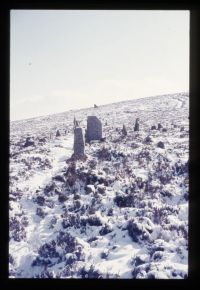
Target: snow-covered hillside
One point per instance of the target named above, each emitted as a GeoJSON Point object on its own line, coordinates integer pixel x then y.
{"type": "Point", "coordinates": [121, 213]}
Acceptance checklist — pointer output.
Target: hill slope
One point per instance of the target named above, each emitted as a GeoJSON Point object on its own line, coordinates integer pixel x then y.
{"type": "Point", "coordinates": [121, 213]}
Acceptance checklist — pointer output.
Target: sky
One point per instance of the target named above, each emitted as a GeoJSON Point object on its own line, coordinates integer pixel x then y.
{"type": "Point", "coordinates": [69, 59]}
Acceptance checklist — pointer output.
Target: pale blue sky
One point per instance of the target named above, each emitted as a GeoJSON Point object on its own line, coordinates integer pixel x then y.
{"type": "Point", "coordinates": [70, 59]}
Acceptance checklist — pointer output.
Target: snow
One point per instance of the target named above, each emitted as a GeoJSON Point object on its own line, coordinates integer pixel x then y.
{"type": "Point", "coordinates": [151, 192]}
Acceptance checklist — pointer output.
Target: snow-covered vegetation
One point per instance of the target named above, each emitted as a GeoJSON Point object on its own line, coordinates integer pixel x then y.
{"type": "Point", "coordinates": [120, 213]}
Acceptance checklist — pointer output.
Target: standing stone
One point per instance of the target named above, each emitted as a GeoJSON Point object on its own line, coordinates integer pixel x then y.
{"type": "Point", "coordinates": [124, 131]}
{"type": "Point", "coordinates": [136, 128]}
{"type": "Point", "coordinates": [58, 133]}
{"type": "Point", "coordinates": [29, 142]}
{"type": "Point", "coordinates": [94, 128]}
{"type": "Point", "coordinates": [79, 144]}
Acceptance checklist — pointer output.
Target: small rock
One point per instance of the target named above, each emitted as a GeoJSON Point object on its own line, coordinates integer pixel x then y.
{"type": "Point", "coordinates": [77, 196]}
{"type": "Point", "coordinates": [42, 140]}
{"type": "Point", "coordinates": [40, 212]}
{"type": "Point", "coordinates": [101, 189]}
{"type": "Point", "coordinates": [103, 139]}
{"type": "Point", "coordinates": [106, 229]}
{"type": "Point", "coordinates": [164, 130]}
{"type": "Point", "coordinates": [62, 197]}
{"type": "Point", "coordinates": [59, 178]}
{"type": "Point", "coordinates": [40, 200]}
{"type": "Point", "coordinates": [148, 139]}
{"type": "Point", "coordinates": [89, 189]}
{"type": "Point", "coordinates": [161, 145]}
{"type": "Point", "coordinates": [153, 127]}
{"type": "Point", "coordinates": [29, 142]}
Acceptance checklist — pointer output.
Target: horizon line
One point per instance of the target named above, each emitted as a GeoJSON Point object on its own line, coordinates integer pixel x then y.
{"type": "Point", "coordinates": [107, 104]}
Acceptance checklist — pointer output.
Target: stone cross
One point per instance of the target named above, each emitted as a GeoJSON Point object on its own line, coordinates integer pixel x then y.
{"type": "Point", "coordinates": [94, 128]}
{"type": "Point", "coordinates": [79, 144]}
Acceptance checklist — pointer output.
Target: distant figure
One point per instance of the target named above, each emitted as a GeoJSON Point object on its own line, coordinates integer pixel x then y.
{"type": "Point", "coordinates": [159, 126]}
{"type": "Point", "coordinates": [95, 106]}
{"type": "Point", "coordinates": [136, 128]}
